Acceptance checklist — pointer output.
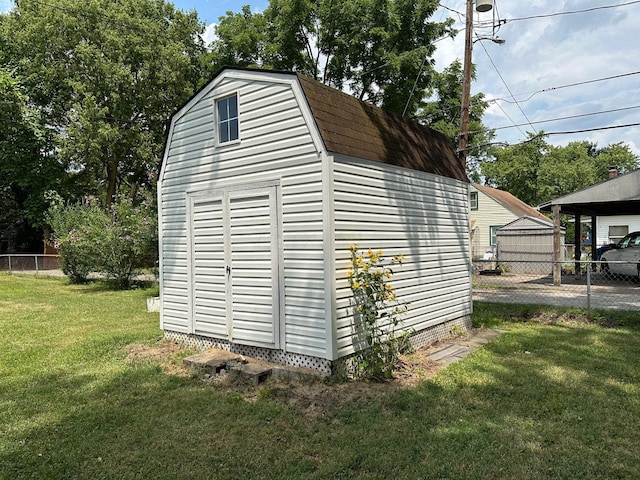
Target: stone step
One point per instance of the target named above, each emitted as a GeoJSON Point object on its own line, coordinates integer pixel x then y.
{"type": "Point", "coordinates": [217, 362]}
{"type": "Point", "coordinates": [211, 361]}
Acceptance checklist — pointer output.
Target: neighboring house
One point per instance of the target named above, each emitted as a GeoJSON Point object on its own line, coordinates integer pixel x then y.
{"type": "Point", "coordinates": [613, 228]}
{"type": "Point", "coordinates": [491, 209]}
{"type": "Point", "coordinates": [267, 179]}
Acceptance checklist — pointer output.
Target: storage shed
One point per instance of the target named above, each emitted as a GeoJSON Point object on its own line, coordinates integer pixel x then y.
{"type": "Point", "coordinates": [267, 179]}
{"type": "Point", "coordinates": [526, 244]}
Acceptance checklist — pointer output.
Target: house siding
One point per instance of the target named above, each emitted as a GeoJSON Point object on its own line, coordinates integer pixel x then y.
{"type": "Point", "coordinates": [489, 213]}
{"type": "Point", "coordinates": [276, 145]}
{"type": "Point", "coordinates": [603, 224]}
{"type": "Point", "coordinates": [420, 215]}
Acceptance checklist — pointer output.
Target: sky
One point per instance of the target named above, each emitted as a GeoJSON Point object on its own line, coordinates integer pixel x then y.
{"type": "Point", "coordinates": [584, 65]}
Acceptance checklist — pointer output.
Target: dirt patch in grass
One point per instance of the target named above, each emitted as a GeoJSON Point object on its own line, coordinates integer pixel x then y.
{"type": "Point", "coordinates": [166, 354]}
{"type": "Point", "coordinates": [318, 397]}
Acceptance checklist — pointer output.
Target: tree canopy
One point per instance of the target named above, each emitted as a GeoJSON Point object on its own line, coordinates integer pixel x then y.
{"type": "Point", "coordinates": [27, 167]}
{"type": "Point", "coordinates": [536, 172]}
{"type": "Point", "coordinates": [379, 50]}
{"type": "Point", "coordinates": [105, 75]}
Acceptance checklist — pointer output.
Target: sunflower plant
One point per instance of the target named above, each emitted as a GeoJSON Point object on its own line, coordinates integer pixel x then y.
{"type": "Point", "coordinates": [377, 312]}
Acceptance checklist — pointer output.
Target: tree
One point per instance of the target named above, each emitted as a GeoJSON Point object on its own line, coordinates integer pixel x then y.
{"type": "Point", "coordinates": [379, 50]}
{"type": "Point", "coordinates": [27, 169]}
{"type": "Point", "coordinates": [441, 111]}
{"type": "Point", "coordinates": [106, 74]}
{"type": "Point", "coordinates": [241, 39]}
{"type": "Point", "coordinates": [536, 172]}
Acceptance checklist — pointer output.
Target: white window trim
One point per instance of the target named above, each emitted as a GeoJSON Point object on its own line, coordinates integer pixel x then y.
{"type": "Point", "coordinates": [474, 206]}
{"type": "Point", "coordinates": [217, 120]}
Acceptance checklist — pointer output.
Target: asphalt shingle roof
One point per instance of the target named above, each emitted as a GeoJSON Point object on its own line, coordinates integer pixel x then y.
{"type": "Point", "coordinates": [352, 127]}
{"type": "Point", "coordinates": [511, 203]}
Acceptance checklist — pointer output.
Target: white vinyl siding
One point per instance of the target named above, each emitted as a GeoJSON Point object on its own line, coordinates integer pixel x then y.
{"type": "Point", "coordinates": [276, 145]}
{"type": "Point", "coordinates": [603, 224]}
{"type": "Point", "coordinates": [253, 267]}
{"type": "Point", "coordinates": [489, 213]}
{"type": "Point", "coordinates": [399, 211]}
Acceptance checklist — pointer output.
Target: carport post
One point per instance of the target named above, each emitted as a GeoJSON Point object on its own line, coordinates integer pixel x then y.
{"type": "Point", "coordinates": [557, 270]}
{"type": "Point", "coordinates": [577, 242]}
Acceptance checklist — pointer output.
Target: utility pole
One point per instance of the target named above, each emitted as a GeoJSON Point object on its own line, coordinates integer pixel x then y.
{"type": "Point", "coordinates": [481, 6]}
{"type": "Point", "coordinates": [466, 85]}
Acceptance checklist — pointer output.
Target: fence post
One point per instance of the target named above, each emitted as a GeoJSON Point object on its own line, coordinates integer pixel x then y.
{"type": "Point", "coordinates": [36, 257]}
{"type": "Point", "coordinates": [589, 292]}
{"type": "Point", "coordinates": [557, 266]}
{"type": "Point", "coordinates": [10, 272]}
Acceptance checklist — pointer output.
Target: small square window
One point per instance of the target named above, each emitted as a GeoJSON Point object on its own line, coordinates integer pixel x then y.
{"type": "Point", "coordinates": [473, 200]}
{"type": "Point", "coordinates": [228, 129]}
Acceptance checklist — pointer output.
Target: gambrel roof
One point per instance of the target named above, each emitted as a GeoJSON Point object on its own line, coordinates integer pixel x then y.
{"type": "Point", "coordinates": [352, 127]}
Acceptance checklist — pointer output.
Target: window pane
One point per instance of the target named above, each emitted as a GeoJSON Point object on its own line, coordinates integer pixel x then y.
{"type": "Point", "coordinates": [228, 124]}
{"type": "Point", "coordinates": [473, 200]}
{"type": "Point", "coordinates": [223, 110]}
{"type": "Point", "coordinates": [233, 106]}
{"type": "Point", "coordinates": [233, 129]}
{"type": "Point", "coordinates": [224, 132]}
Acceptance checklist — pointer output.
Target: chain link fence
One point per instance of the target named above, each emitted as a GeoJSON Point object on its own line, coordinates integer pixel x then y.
{"type": "Point", "coordinates": [30, 263]}
{"type": "Point", "coordinates": [583, 284]}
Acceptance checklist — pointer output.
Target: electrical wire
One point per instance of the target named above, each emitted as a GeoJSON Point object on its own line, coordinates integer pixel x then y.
{"type": "Point", "coordinates": [557, 14]}
{"type": "Point", "coordinates": [558, 119]}
{"type": "Point", "coordinates": [507, 86]}
{"type": "Point", "coordinates": [575, 84]}
{"type": "Point", "coordinates": [545, 134]}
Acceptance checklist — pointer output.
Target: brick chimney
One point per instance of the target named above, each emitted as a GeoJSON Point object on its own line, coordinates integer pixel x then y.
{"type": "Point", "coordinates": [613, 172]}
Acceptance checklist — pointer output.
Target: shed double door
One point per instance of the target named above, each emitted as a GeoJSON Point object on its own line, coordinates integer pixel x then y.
{"type": "Point", "coordinates": [234, 266]}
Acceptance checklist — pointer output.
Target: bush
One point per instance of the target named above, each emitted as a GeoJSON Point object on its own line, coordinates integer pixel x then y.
{"type": "Point", "coordinates": [116, 241]}
{"type": "Point", "coordinates": [128, 237]}
{"type": "Point", "coordinates": [74, 228]}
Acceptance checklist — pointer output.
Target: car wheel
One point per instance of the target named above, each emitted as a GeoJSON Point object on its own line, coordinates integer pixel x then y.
{"type": "Point", "coordinates": [605, 268]}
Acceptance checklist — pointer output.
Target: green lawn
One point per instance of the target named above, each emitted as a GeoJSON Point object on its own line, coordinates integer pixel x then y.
{"type": "Point", "coordinates": [554, 397]}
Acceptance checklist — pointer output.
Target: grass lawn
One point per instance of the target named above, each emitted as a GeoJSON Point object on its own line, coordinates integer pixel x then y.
{"type": "Point", "coordinates": [556, 396]}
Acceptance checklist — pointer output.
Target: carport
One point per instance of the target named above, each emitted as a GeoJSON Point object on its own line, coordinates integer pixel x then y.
{"type": "Point", "coordinates": [619, 195]}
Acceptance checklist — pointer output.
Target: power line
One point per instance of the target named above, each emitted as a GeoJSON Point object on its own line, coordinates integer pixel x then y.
{"type": "Point", "coordinates": [570, 117]}
{"type": "Point", "coordinates": [557, 14]}
{"type": "Point", "coordinates": [506, 86]}
{"type": "Point", "coordinates": [545, 134]}
{"type": "Point", "coordinates": [596, 129]}
{"type": "Point", "coordinates": [576, 84]}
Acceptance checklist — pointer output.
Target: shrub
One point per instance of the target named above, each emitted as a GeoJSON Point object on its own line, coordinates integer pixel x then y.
{"type": "Point", "coordinates": [116, 241]}
{"type": "Point", "coordinates": [73, 228]}
{"type": "Point", "coordinates": [128, 237]}
{"type": "Point", "coordinates": [377, 312]}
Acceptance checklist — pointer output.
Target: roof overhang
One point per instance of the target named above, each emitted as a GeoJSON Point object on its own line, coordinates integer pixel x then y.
{"type": "Point", "coordinates": [616, 196]}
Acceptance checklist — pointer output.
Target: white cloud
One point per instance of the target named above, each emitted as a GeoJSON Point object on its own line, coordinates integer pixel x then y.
{"type": "Point", "coordinates": [209, 34]}
{"type": "Point", "coordinates": [542, 54]}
